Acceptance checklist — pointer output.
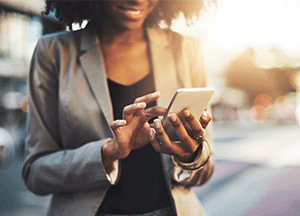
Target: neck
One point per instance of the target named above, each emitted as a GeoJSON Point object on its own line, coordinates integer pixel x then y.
{"type": "Point", "coordinates": [120, 36]}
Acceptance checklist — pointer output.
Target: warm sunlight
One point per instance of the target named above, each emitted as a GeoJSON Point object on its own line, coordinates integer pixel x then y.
{"type": "Point", "coordinates": [233, 25]}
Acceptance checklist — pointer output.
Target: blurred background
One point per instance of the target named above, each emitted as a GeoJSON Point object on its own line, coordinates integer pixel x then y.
{"type": "Point", "coordinates": [252, 55]}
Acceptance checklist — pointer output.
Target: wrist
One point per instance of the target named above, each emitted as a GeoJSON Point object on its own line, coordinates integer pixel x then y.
{"type": "Point", "coordinates": [200, 161]}
{"type": "Point", "coordinates": [108, 152]}
{"type": "Point", "coordinates": [191, 157]}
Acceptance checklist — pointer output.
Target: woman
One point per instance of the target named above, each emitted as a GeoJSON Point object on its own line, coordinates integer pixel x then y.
{"type": "Point", "coordinates": [88, 128]}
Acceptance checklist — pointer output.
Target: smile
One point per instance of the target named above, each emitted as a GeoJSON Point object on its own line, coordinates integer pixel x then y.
{"type": "Point", "coordinates": [130, 13]}
{"type": "Point", "coordinates": [133, 12]}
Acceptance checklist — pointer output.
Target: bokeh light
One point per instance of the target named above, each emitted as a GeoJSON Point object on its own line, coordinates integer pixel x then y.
{"type": "Point", "coordinates": [284, 104]}
{"type": "Point", "coordinates": [258, 114]}
{"type": "Point", "coordinates": [264, 100]}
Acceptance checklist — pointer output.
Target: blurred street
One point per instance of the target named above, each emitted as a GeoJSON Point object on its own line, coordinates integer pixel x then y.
{"type": "Point", "coordinates": [15, 199]}
{"type": "Point", "coordinates": [257, 173]}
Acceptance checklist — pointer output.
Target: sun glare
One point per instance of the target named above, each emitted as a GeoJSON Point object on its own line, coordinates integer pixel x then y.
{"type": "Point", "coordinates": [236, 24]}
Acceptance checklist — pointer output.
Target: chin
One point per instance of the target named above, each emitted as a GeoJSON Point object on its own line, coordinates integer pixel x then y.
{"type": "Point", "coordinates": [131, 26]}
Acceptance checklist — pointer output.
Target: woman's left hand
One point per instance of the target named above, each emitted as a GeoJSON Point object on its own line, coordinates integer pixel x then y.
{"type": "Point", "coordinates": [185, 149]}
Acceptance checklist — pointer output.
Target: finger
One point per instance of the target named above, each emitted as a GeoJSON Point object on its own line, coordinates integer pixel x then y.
{"type": "Point", "coordinates": [155, 111]}
{"type": "Point", "coordinates": [132, 108]}
{"type": "Point", "coordinates": [159, 148]}
{"type": "Point", "coordinates": [205, 118]}
{"type": "Point", "coordinates": [187, 143]}
{"type": "Point", "coordinates": [156, 143]}
{"type": "Point", "coordinates": [194, 123]}
{"type": "Point", "coordinates": [161, 135]}
{"type": "Point", "coordinates": [115, 125]}
{"type": "Point", "coordinates": [165, 146]}
{"type": "Point", "coordinates": [148, 98]}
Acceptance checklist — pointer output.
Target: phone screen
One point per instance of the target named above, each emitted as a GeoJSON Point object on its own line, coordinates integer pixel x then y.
{"type": "Point", "coordinates": [194, 99]}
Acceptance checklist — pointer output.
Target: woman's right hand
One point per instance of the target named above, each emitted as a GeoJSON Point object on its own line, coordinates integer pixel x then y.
{"type": "Point", "coordinates": [133, 131]}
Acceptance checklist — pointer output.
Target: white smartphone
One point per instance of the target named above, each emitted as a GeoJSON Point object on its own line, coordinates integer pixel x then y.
{"type": "Point", "coordinates": [194, 99]}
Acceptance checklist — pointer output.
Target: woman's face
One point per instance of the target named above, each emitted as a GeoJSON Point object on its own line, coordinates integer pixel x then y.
{"type": "Point", "coordinates": [129, 14]}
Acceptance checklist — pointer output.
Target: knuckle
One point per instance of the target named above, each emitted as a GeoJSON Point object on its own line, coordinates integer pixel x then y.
{"type": "Point", "coordinates": [148, 111]}
{"type": "Point", "coordinates": [190, 117]}
{"type": "Point", "coordinates": [176, 123]}
{"type": "Point", "coordinates": [198, 132]}
{"type": "Point", "coordinates": [185, 139]}
{"type": "Point", "coordinates": [153, 109]}
{"type": "Point", "coordinates": [126, 108]}
{"type": "Point", "coordinates": [159, 132]}
{"type": "Point", "coordinates": [137, 100]}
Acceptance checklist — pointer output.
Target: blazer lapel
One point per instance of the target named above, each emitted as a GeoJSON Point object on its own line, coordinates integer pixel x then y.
{"type": "Point", "coordinates": [164, 69]}
{"type": "Point", "coordinates": [166, 78]}
{"type": "Point", "coordinates": [93, 65]}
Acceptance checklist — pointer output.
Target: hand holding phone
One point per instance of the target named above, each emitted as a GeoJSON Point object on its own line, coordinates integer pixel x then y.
{"type": "Point", "coordinates": [193, 99]}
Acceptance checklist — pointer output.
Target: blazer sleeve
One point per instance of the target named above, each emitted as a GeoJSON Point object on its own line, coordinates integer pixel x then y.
{"type": "Point", "coordinates": [48, 168]}
{"type": "Point", "coordinates": [191, 51]}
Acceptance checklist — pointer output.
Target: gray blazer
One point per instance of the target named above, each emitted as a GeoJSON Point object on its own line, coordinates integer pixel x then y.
{"type": "Point", "coordinates": [70, 111]}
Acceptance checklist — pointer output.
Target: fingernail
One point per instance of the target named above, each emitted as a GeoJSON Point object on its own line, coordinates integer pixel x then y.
{"type": "Point", "coordinates": [122, 122]}
{"type": "Point", "coordinates": [151, 132]}
{"type": "Point", "coordinates": [155, 94]}
{"type": "Point", "coordinates": [186, 113]}
{"type": "Point", "coordinates": [157, 123]}
{"type": "Point", "coordinates": [142, 104]}
{"type": "Point", "coordinates": [204, 114]}
{"type": "Point", "coordinates": [172, 117]}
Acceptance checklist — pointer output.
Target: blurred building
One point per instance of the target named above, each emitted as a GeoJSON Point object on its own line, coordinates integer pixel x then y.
{"type": "Point", "coordinates": [247, 72]}
{"type": "Point", "coordinates": [21, 24]}
{"type": "Point", "coordinates": [262, 86]}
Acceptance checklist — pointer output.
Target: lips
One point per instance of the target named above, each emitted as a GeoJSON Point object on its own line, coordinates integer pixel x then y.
{"type": "Point", "coordinates": [131, 13]}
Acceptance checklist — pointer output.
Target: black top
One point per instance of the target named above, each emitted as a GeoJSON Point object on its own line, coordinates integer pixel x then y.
{"type": "Point", "coordinates": [142, 186]}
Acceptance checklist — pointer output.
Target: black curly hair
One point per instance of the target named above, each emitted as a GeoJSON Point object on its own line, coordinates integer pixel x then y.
{"type": "Point", "coordinates": [76, 11]}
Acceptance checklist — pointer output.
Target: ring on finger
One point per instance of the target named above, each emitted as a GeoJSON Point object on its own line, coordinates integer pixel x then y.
{"type": "Point", "coordinates": [199, 137]}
